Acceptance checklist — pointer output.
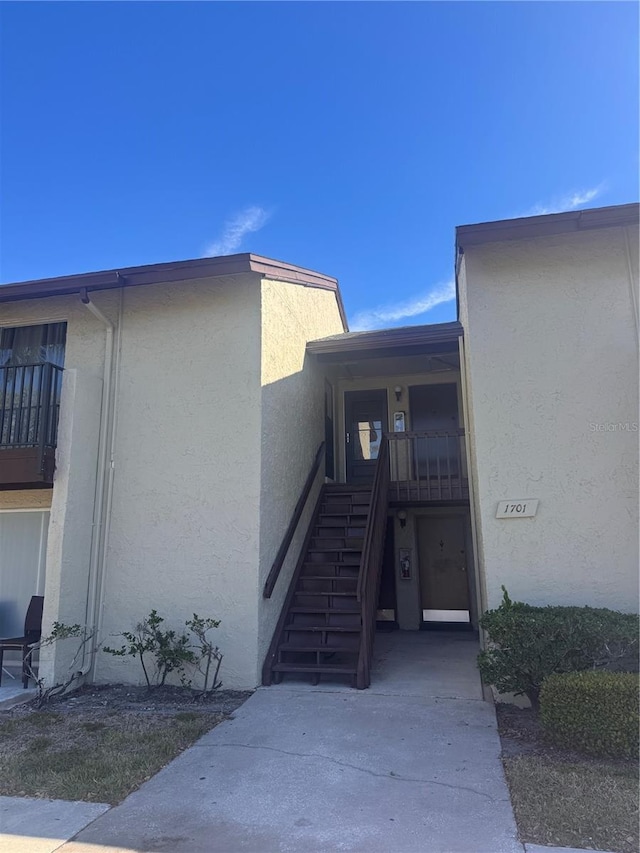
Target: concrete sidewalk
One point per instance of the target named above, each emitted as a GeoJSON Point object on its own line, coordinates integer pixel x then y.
{"type": "Point", "coordinates": [29, 825]}
{"type": "Point", "coordinates": [393, 768]}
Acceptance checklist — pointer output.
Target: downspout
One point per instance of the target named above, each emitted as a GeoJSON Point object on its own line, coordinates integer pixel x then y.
{"type": "Point", "coordinates": [481, 590]}
{"type": "Point", "coordinates": [110, 473]}
{"type": "Point", "coordinates": [480, 580]}
{"type": "Point", "coordinates": [93, 583]}
{"type": "Point", "coordinates": [632, 290]}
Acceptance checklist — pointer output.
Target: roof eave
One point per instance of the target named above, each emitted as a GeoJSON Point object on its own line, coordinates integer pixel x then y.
{"type": "Point", "coordinates": [381, 343]}
{"type": "Point", "coordinates": [546, 225]}
{"type": "Point", "coordinates": [176, 271]}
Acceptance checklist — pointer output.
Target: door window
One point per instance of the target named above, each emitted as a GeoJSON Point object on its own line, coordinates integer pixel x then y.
{"type": "Point", "coordinates": [368, 437]}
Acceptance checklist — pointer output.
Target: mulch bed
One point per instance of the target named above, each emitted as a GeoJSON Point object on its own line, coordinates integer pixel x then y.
{"type": "Point", "coordinates": [141, 700]}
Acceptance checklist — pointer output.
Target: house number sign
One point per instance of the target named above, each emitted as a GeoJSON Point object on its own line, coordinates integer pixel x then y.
{"type": "Point", "coordinates": [521, 508]}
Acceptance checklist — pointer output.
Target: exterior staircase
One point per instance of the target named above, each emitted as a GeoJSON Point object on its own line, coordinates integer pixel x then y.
{"type": "Point", "coordinates": [320, 630]}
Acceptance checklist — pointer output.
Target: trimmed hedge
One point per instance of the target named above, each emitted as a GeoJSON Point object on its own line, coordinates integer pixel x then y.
{"type": "Point", "coordinates": [592, 712]}
{"type": "Point", "coordinates": [527, 644]}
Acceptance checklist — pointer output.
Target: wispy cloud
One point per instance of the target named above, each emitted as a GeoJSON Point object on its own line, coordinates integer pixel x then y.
{"type": "Point", "coordinates": [414, 307]}
{"type": "Point", "coordinates": [235, 229]}
{"type": "Point", "coordinates": [568, 201]}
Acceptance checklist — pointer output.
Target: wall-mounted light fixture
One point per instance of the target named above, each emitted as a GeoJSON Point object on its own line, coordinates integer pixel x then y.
{"type": "Point", "coordinates": [402, 518]}
{"type": "Point", "coordinates": [398, 390]}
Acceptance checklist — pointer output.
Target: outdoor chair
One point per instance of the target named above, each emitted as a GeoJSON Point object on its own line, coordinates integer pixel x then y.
{"type": "Point", "coordinates": [25, 644]}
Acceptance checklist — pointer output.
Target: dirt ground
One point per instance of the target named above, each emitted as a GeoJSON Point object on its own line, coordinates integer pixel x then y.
{"type": "Point", "coordinates": [158, 700]}
{"type": "Point", "coordinates": [100, 743]}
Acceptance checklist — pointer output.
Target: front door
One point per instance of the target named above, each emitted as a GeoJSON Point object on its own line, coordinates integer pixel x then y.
{"type": "Point", "coordinates": [365, 419]}
{"type": "Point", "coordinates": [444, 579]}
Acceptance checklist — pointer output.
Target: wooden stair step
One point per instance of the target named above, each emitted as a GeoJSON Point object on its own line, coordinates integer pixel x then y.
{"type": "Point", "coordinates": [337, 550]}
{"type": "Point", "coordinates": [338, 629]}
{"type": "Point", "coordinates": [324, 592]}
{"type": "Point", "coordinates": [310, 667]}
{"type": "Point", "coordinates": [360, 514]}
{"type": "Point", "coordinates": [352, 579]}
{"type": "Point", "coordinates": [324, 649]}
{"type": "Point", "coordinates": [329, 610]}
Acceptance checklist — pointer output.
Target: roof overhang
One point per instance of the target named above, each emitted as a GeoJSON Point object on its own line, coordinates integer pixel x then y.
{"type": "Point", "coordinates": [545, 226]}
{"type": "Point", "coordinates": [176, 271]}
{"type": "Point", "coordinates": [382, 343]}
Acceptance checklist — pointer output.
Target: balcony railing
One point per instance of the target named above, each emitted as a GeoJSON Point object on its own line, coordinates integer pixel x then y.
{"type": "Point", "coordinates": [29, 410]}
{"type": "Point", "coordinates": [427, 466]}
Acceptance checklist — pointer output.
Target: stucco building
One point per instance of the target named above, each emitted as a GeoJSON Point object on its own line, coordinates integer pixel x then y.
{"type": "Point", "coordinates": [208, 436]}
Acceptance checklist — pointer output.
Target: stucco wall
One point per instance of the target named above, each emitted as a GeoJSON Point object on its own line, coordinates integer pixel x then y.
{"type": "Point", "coordinates": [292, 424]}
{"type": "Point", "coordinates": [185, 514]}
{"type": "Point", "coordinates": [552, 354]}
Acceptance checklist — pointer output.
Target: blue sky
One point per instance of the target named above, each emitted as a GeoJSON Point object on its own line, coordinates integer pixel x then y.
{"type": "Point", "coordinates": [350, 138]}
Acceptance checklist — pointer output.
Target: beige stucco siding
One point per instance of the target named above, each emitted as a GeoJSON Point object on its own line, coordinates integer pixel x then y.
{"type": "Point", "coordinates": [292, 423]}
{"type": "Point", "coordinates": [183, 536]}
{"type": "Point", "coordinates": [552, 372]}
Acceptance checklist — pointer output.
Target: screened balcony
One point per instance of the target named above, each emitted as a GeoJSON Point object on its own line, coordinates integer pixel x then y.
{"type": "Point", "coordinates": [29, 410]}
{"type": "Point", "coordinates": [31, 370]}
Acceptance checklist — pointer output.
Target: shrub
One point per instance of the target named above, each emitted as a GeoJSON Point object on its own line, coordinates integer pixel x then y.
{"type": "Point", "coordinates": [527, 644]}
{"type": "Point", "coordinates": [593, 712]}
{"type": "Point", "coordinates": [170, 650]}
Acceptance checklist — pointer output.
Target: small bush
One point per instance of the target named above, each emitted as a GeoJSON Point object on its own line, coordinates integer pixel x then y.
{"type": "Point", "coordinates": [527, 644]}
{"type": "Point", "coordinates": [592, 712]}
{"type": "Point", "coordinates": [170, 651]}
{"type": "Point", "coordinates": [174, 652]}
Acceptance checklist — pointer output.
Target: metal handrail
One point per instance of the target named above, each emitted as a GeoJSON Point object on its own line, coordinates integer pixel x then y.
{"type": "Point", "coordinates": [428, 465]}
{"type": "Point", "coordinates": [29, 405]}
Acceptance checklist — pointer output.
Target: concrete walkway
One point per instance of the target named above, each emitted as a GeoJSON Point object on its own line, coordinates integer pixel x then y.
{"type": "Point", "coordinates": [40, 826]}
{"type": "Point", "coordinates": [411, 764]}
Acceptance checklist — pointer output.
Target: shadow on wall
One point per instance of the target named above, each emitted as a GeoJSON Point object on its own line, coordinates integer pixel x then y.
{"type": "Point", "coordinates": [293, 426]}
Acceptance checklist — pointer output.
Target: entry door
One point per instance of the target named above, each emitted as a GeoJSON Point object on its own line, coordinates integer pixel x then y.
{"type": "Point", "coordinates": [444, 577]}
{"type": "Point", "coordinates": [365, 419]}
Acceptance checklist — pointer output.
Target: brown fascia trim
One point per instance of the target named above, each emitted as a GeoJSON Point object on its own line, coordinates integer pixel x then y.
{"type": "Point", "coordinates": [381, 342]}
{"type": "Point", "coordinates": [544, 226]}
{"type": "Point", "coordinates": [173, 272]}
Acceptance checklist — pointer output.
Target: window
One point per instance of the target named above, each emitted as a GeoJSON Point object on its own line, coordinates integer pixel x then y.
{"type": "Point", "coordinates": [33, 344]}
{"type": "Point", "coordinates": [23, 548]}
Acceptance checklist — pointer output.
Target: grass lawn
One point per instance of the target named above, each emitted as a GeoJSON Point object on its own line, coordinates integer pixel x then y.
{"type": "Point", "coordinates": [565, 799]}
{"type": "Point", "coordinates": [80, 748]}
